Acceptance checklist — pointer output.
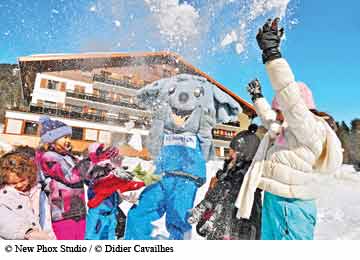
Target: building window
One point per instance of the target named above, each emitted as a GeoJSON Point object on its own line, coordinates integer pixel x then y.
{"type": "Point", "coordinates": [103, 94]}
{"type": "Point", "coordinates": [93, 111]}
{"type": "Point", "coordinates": [223, 134]}
{"type": "Point", "coordinates": [43, 83]}
{"type": "Point", "coordinates": [226, 152]}
{"type": "Point", "coordinates": [96, 92]}
{"type": "Point", "coordinates": [52, 84]}
{"type": "Point", "coordinates": [218, 151]}
{"type": "Point", "coordinates": [79, 89]}
{"type": "Point", "coordinates": [77, 133]}
{"type": "Point", "coordinates": [62, 87]}
{"type": "Point", "coordinates": [31, 128]}
{"type": "Point", "coordinates": [50, 104]}
{"type": "Point", "coordinates": [74, 108]}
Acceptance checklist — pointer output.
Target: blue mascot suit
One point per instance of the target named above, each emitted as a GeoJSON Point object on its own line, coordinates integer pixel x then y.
{"type": "Point", "coordinates": [182, 165]}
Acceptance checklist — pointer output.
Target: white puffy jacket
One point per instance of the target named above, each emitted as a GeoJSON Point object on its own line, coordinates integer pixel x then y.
{"type": "Point", "coordinates": [292, 168]}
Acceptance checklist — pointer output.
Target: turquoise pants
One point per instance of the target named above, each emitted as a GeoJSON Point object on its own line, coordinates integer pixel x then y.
{"type": "Point", "coordinates": [101, 223]}
{"type": "Point", "coordinates": [287, 219]}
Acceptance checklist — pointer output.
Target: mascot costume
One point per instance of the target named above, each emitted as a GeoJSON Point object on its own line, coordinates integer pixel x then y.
{"type": "Point", "coordinates": [185, 108]}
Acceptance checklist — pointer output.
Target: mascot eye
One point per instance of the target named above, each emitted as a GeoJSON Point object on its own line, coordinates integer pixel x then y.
{"type": "Point", "coordinates": [198, 92]}
{"type": "Point", "coordinates": [171, 91]}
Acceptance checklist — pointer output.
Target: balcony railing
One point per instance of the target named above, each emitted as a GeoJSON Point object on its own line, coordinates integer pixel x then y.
{"type": "Point", "coordinates": [102, 100]}
{"type": "Point", "coordinates": [54, 111]}
{"type": "Point", "coordinates": [222, 137]}
{"type": "Point", "coordinates": [116, 82]}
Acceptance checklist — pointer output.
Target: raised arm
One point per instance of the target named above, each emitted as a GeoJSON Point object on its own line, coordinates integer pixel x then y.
{"type": "Point", "coordinates": [301, 121]}
{"type": "Point", "coordinates": [54, 166]}
{"type": "Point", "coordinates": [262, 107]}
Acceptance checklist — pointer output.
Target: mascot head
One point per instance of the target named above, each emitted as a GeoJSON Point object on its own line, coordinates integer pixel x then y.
{"type": "Point", "coordinates": [186, 104]}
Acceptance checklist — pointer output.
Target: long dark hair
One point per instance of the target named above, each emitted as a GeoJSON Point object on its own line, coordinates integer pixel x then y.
{"type": "Point", "coordinates": [328, 118]}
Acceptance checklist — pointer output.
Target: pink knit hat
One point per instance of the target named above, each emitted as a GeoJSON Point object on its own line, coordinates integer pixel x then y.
{"type": "Point", "coordinates": [305, 93]}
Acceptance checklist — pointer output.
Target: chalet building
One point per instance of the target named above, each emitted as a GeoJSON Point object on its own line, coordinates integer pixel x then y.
{"type": "Point", "coordinates": [94, 94]}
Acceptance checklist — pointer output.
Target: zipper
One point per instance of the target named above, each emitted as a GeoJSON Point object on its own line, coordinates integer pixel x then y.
{"type": "Point", "coordinates": [286, 221]}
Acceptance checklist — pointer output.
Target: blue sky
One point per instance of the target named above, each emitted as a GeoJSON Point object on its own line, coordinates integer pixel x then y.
{"type": "Point", "coordinates": [322, 40]}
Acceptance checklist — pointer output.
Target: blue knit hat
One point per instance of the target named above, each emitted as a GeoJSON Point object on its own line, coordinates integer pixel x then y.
{"type": "Point", "coordinates": [51, 130]}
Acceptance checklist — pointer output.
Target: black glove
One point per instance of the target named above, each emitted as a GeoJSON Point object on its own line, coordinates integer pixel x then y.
{"type": "Point", "coordinates": [254, 90]}
{"type": "Point", "coordinates": [268, 39]}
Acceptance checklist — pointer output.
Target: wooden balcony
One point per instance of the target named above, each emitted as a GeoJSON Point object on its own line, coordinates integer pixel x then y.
{"type": "Point", "coordinates": [121, 119]}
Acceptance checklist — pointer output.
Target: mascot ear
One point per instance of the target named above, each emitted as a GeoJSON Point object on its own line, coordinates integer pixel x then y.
{"type": "Point", "coordinates": [152, 94]}
{"type": "Point", "coordinates": [227, 109]}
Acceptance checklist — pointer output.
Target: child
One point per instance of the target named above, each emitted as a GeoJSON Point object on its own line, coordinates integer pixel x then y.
{"type": "Point", "coordinates": [65, 175]}
{"type": "Point", "coordinates": [19, 198]}
{"type": "Point", "coordinates": [216, 213]}
{"type": "Point", "coordinates": [290, 165]}
{"type": "Point", "coordinates": [106, 178]}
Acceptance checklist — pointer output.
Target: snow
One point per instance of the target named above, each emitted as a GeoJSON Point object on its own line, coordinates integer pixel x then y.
{"type": "Point", "coordinates": [93, 8]}
{"type": "Point", "coordinates": [339, 208]}
{"type": "Point", "coordinates": [136, 142]}
{"type": "Point", "coordinates": [260, 7]}
{"type": "Point", "coordinates": [247, 20]}
{"type": "Point", "coordinates": [193, 29]}
{"type": "Point", "coordinates": [5, 147]}
{"type": "Point", "coordinates": [117, 23]}
{"type": "Point", "coordinates": [177, 22]}
{"type": "Point", "coordinates": [229, 38]}
{"type": "Point", "coordinates": [239, 48]}
{"type": "Point", "coordinates": [294, 21]}
{"type": "Point", "coordinates": [338, 205]}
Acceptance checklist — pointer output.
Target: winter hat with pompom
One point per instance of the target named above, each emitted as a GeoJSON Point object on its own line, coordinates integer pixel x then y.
{"type": "Point", "coordinates": [306, 95]}
{"type": "Point", "coordinates": [51, 130]}
{"type": "Point", "coordinates": [246, 143]}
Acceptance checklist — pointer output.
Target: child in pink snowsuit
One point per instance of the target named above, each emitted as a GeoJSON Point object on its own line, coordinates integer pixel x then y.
{"type": "Point", "coordinates": [64, 174]}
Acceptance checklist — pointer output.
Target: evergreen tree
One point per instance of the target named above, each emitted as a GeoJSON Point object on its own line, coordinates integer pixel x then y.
{"type": "Point", "coordinates": [355, 143]}
{"type": "Point", "coordinates": [344, 136]}
{"type": "Point", "coordinates": [10, 89]}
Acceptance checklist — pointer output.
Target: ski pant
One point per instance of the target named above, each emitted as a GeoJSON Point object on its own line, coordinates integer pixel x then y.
{"type": "Point", "coordinates": [69, 229]}
{"type": "Point", "coordinates": [172, 195]}
{"type": "Point", "coordinates": [101, 223]}
{"type": "Point", "coordinates": [287, 219]}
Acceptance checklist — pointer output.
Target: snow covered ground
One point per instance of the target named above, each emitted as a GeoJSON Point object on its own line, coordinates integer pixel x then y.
{"type": "Point", "coordinates": [338, 205]}
{"type": "Point", "coordinates": [339, 209]}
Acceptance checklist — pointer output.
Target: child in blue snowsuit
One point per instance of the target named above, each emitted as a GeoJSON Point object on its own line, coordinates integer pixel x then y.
{"type": "Point", "coordinates": [105, 178]}
{"type": "Point", "coordinates": [182, 166]}
{"type": "Point", "coordinates": [103, 218]}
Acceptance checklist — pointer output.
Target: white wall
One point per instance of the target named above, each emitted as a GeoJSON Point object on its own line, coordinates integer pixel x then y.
{"type": "Point", "coordinates": [55, 95]}
{"type": "Point", "coordinates": [14, 126]}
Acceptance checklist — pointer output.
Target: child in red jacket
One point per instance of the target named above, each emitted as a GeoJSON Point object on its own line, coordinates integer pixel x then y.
{"type": "Point", "coordinates": [107, 180]}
